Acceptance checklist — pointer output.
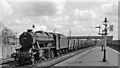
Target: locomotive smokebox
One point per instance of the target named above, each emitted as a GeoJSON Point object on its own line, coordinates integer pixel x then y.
{"type": "Point", "coordinates": [26, 40]}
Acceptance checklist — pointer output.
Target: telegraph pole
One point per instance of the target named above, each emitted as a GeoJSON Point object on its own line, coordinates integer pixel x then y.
{"type": "Point", "coordinates": [54, 30]}
{"type": "Point", "coordinates": [16, 38]}
{"type": "Point", "coordinates": [2, 37]}
{"type": "Point", "coordinates": [70, 33]}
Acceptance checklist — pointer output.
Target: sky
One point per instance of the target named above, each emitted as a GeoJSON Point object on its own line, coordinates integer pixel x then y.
{"type": "Point", "coordinates": [79, 16]}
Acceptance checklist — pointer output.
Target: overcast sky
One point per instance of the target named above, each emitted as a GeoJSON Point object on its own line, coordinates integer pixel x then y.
{"type": "Point", "coordinates": [79, 16]}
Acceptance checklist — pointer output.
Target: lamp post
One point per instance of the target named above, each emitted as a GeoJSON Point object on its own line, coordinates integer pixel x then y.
{"type": "Point", "coordinates": [102, 40]}
{"type": "Point", "coordinates": [104, 33]}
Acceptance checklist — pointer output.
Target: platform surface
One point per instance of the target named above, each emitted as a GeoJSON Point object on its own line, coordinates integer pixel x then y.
{"type": "Point", "coordinates": [93, 58]}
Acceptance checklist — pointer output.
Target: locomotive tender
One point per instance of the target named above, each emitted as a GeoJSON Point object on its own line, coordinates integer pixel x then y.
{"type": "Point", "coordinates": [40, 45]}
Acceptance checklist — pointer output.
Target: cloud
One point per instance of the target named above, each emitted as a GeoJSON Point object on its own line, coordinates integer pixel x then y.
{"type": "Point", "coordinates": [63, 0]}
{"type": "Point", "coordinates": [60, 6]}
{"type": "Point", "coordinates": [111, 9]}
{"type": "Point", "coordinates": [32, 0]}
{"type": "Point", "coordinates": [84, 15]}
{"type": "Point", "coordinates": [50, 15]}
{"type": "Point", "coordinates": [25, 12]}
{"type": "Point", "coordinates": [92, 0]}
{"type": "Point", "coordinates": [29, 13]}
{"type": "Point", "coordinates": [5, 10]}
{"type": "Point", "coordinates": [37, 8]}
{"type": "Point", "coordinates": [5, 7]}
{"type": "Point", "coordinates": [18, 21]}
{"type": "Point", "coordinates": [33, 8]}
{"type": "Point", "coordinates": [86, 19]}
{"type": "Point", "coordinates": [58, 25]}
{"type": "Point", "coordinates": [22, 21]}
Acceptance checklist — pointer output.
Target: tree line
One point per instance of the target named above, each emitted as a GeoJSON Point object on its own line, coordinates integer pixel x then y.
{"type": "Point", "coordinates": [7, 36]}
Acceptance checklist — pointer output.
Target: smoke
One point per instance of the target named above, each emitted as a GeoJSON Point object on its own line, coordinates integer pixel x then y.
{"type": "Point", "coordinates": [40, 28]}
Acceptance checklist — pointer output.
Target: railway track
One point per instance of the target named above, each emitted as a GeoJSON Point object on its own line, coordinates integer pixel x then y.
{"type": "Point", "coordinates": [47, 63]}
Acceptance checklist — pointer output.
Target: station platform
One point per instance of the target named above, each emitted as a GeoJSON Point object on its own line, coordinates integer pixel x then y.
{"type": "Point", "coordinates": [93, 58]}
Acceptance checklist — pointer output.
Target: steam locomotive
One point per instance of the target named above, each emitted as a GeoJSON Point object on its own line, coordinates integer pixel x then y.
{"type": "Point", "coordinates": [40, 45]}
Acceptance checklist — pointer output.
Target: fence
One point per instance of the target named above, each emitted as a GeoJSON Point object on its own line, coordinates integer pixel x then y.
{"type": "Point", "coordinates": [6, 51]}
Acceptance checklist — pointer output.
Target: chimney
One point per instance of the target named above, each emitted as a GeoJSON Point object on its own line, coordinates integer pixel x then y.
{"type": "Point", "coordinates": [29, 30]}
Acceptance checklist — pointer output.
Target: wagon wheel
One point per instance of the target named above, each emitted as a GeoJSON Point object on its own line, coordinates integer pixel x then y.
{"type": "Point", "coordinates": [46, 54]}
{"type": "Point", "coordinates": [58, 53]}
{"type": "Point", "coordinates": [52, 54]}
{"type": "Point", "coordinates": [66, 50]}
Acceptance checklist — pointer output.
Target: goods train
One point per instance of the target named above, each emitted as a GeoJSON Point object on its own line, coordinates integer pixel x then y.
{"type": "Point", "coordinates": [40, 45]}
{"type": "Point", "coordinates": [115, 43]}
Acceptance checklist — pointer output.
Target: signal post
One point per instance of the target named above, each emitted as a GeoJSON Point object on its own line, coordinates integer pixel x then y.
{"type": "Point", "coordinates": [104, 34]}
